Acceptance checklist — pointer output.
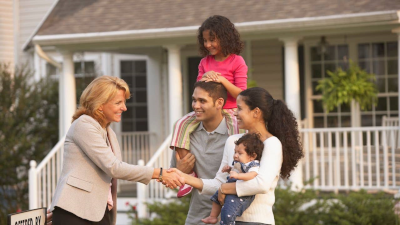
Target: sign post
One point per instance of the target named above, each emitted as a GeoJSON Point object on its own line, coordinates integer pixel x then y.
{"type": "Point", "coordinates": [30, 217]}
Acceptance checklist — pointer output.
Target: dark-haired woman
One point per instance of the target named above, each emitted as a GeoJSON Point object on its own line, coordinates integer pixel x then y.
{"type": "Point", "coordinates": [258, 112]}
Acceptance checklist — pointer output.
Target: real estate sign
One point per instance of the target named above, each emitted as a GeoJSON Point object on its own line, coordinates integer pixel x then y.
{"type": "Point", "coordinates": [30, 217]}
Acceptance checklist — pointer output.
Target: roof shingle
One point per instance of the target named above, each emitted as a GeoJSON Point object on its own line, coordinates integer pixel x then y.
{"type": "Point", "coordinates": [90, 16]}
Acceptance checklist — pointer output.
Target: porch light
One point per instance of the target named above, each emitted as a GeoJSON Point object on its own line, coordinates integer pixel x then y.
{"type": "Point", "coordinates": [322, 45]}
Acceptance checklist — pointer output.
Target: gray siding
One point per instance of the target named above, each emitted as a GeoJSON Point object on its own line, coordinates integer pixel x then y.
{"type": "Point", "coordinates": [31, 12]}
{"type": "Point", "coordinates": [266, 59]}
{"type": "Point", "coordinates": [6, 32]}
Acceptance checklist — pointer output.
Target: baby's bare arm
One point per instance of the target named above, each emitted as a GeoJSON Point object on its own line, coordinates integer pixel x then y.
{"type": "Point", "coordinates": [226, 169]}
{"type": "Point", "coordinates": [245, 176]}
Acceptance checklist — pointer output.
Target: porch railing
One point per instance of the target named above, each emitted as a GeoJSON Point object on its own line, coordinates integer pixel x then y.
{"type": "Point", "coordinates": [136, 146]}
{"type": "Point", "coordinates": [44, 177]}
{"type": "Point", "coordinates": [352, 158]}
{"type": "Point", "coordinates": [155, 191]}
{"type": "Point", "coordinates": [335, 158]}
{"type": "Point", "coordinates": [338, 159]}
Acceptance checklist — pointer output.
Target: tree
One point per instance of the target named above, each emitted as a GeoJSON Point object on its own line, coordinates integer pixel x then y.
{"type": "Point", "coordinates": [341, 87]}
{"type": "Point", "coordinates": [28, 130]}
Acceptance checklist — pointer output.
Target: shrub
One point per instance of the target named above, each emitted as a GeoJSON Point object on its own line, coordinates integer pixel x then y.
{"type": "Point", "coordinates": [307, 207]}
{"type": "Point", "coordinates": [173, 212]}
{"type": "Point", "coordinates": [363, 208]}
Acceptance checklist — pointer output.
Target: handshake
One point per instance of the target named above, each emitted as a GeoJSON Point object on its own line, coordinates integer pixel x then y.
{"type": "Point", "coordinates": [178, 176]}
{"type": "Point", "coordinates": [172, 178]}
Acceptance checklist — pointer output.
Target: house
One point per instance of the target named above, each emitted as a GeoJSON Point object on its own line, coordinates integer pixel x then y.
{"type": "Point", "coordinates": [289, 46]}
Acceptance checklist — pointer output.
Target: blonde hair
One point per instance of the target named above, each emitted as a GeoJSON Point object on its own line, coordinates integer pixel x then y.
{"type": "Point", "coordinates": [98, 92]}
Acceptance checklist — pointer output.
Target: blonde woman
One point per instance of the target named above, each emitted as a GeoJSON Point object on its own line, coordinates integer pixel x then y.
{"type": "Point", "coordinates": [86, 192]}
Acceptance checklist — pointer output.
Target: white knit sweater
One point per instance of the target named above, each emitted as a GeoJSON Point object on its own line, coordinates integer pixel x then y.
{"type": "Point", "coordinates": [263, 185]}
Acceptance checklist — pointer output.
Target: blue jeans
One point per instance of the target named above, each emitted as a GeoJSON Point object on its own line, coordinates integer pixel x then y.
{"type": "Point", "coordinates": [248, 223]}
{"type": "Point", "coordinates": [234, 206]}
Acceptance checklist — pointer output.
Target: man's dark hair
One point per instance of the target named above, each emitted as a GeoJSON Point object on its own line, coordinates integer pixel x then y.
{"type": "Point", "coordinates": [253, 145]}
{"type": "Point", "coordinates": [215, 90]}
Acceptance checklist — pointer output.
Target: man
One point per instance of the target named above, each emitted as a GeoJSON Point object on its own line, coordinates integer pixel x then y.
{"type": "Point", "coordinates": [206, 144]}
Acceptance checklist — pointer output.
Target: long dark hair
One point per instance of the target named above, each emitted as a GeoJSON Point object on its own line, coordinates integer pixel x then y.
{"type": "Point", "coordinates": [280, 122]}
{"type": "Point", "coordinates": [222, 28]}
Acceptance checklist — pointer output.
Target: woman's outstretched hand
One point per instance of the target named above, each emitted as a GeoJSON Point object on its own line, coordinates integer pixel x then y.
{"type": "Point", "coordinates": [174, 171]}
{"type": "Point", "coordinates": [173, 179]}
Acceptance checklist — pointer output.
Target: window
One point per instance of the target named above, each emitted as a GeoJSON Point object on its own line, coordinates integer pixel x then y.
{"type": "Point", "coordinates": [84, 74]}
{"type": "Point", "coordinates": [380, 58]}
{"type": "Point", "coordinates": [135, 75]}
{"type": "Point", "coordinates": [51, 70]}
{"type": "Point", "coordinates": [335, 56]}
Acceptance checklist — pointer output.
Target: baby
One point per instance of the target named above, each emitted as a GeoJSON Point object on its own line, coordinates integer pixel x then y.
{"type": "Point", "coordinates": [246, 163]}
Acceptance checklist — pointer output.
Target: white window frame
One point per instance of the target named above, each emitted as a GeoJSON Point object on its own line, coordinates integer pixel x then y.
{"type": "Point", "coordinates": [87, 57]}
{"type": "Point", "coordinates": [385, 94]}
{"type": "Point", "coordinates": [117, 58]}
{"type": "Point", "coordinates": [352, 41]}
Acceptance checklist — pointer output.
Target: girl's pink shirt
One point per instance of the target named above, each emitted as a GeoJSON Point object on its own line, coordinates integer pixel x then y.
{"type": "Point", "coordinates": [233, 68]}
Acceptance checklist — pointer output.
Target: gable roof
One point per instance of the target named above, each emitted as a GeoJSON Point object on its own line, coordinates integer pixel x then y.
{"type": "Point", "coordinates": [91, 16]}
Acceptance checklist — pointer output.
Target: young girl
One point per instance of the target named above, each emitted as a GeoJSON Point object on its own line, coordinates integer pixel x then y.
{"type": "Point", "coordinates": [248, 150]}
{"type": "Point", "coordinates": [219, 43]}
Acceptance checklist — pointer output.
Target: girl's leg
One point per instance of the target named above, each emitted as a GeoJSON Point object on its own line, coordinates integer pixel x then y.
{"type": "Point", "coordinates": [181, 152]}
{"type": "Point", "coordinates": [181, 143]}
{"type": "Point", "coordinates": [231, 121]}
{"type": "Point", "coordinates": [184, 189]}
{"type": "Point", "coordinates": [215, 211]}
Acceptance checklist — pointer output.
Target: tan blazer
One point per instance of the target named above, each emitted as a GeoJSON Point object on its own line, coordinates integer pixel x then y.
{"type": "Point", "coordinates": [88, 168]}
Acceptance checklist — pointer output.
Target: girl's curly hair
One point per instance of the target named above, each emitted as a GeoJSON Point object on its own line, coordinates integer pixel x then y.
{"type": "Point", "coordinates": [224, 30]}
{"type": "Point", "coordinates": [280, 122]}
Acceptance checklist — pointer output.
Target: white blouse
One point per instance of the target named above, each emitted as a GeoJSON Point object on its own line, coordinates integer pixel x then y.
{"type": "Point", "coordinates": [263, 185]}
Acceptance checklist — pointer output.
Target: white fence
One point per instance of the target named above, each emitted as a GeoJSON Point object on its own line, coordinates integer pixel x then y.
{"type": "Point", "coordinates": [335, 158]}
{"type": "Point", "coordinates": [43, 178]}
{"type": "Point", "coordinates": [155, 191]}
{"type": "Point", "coordinates": [136, 146]}
{"type": "Point", "coordinates": [352, 158]}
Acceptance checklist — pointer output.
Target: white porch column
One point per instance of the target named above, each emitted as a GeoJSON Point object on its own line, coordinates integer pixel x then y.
{"type": "Point", "coordinates": [33, 194]}
{"type": "Point", "coordinates": [398, 70]}
{"type": "Point", "coordinates": [174, 84]}
{"type": "Point", "coordinates": [67, 92]}
{"type": "Point", "coordinates": [292, 95]}
{"type": "Point", "coordinates": [397, 31]}
{"type": "Point", "coordinates": [38, 69]}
